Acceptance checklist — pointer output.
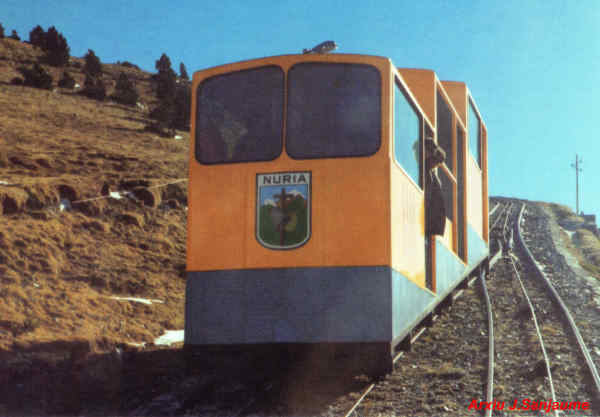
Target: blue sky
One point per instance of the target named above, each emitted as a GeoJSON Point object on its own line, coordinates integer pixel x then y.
{"type": "Point", "coordinates": [533, 66]}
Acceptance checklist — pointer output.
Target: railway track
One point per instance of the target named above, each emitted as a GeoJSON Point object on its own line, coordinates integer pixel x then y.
{"type": "Point", "coordinates": [570, 366]}
{"type": "Point", "coordinates": [518, 360]}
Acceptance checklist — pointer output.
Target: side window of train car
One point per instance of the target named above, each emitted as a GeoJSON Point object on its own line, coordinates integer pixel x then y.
{"type": "Point", "coordinates": [444, 129]}
{"type": "Point", "coordinates": [407, 128]}
{"type": "Point", "coordinates": [334, 110]}
{"type": "Point", "coordinates": [239, 116]}
{"type": "Point", "coordinates": [474, 134]}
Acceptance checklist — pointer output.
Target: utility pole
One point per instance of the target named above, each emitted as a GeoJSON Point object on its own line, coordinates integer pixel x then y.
{"type": "Point", "coordinates": [577, 171]}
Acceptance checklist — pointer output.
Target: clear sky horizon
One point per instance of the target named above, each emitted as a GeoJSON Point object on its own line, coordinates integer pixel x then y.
{"type": "Point", "coordinates": [533, 66]}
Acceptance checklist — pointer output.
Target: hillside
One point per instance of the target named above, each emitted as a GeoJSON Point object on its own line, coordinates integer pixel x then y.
{"type": "Point", "coordinates": [580, 237]}
{"type": "Point", "coordinates": [60, 269]}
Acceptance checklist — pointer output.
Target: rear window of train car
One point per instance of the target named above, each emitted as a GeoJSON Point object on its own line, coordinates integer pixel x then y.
{"type": "Point", "coordinates": [474, 134]}
{"type": "Point", "coordinates": [239, 116]}
{"type": "Point", "coordinates": [334, 110]}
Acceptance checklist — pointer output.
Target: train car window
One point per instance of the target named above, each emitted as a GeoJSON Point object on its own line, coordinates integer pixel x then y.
{"type": "Point", "coordinates": [448, 193]}
{"type": "Point", "coordinates": [239, 116]}
{"type": "Point", "coordinates": [334, 110]}
{"type": "Point", "coordinates": [460, 180]}
{"type": "Point", "coordinates": [407, 141]}
{"type": "Point", "coordinates": [444, 129]}
{"type": "Point", "coordinates": [474, 134]}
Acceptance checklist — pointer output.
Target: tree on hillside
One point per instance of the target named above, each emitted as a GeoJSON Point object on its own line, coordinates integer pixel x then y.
{"type": "Point", "coordinates": [183, 97]}
{"type": "Point", "coordinates": [94, 87]}
{"type": "Point", "coordinates": [125, 92]}
{"type": "Point", "coordinates": [164, 113]}
{"type": "Point", "coordinates": [37, 37]}
{"type": "Point", "coordinates": [165, 79]}
{"type": "Point", "coordinates": [36, 77]}
{"type": "Point", "coordinates": [57, 49]}
{"type": "Point", "coordinates": [163, 65]}
{"type": "Point", "coordinates": [92, 66]}
{"type": "Point", "coordinates": [14, 35]}
{"type": "Point", "coordinates": [1, 31]}
{"type": "Point", "coordinates": [183, 72]}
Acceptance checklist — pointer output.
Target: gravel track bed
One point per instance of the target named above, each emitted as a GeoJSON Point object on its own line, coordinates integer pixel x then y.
{"type": "Point", "coordinates": [517, 349]}
{"type": "Point", "coordinates": [567, 364]}
{"type": "Point", "coordinates": [441, 374]}
{"type": "Point", "coordinates": [573, 288]}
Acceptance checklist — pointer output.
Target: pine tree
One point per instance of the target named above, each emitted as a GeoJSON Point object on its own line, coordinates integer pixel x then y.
{"type": "Point", "coordinates": [92, 66]}
{"type": "Point", "coordinates": [14, 35]}
{"type": "Point", "coordinates": [183, 96]}
{"type": "Point", "coordinates": [37, 37]}
{"type": "Point", "coordinates": [164, 113]}
{"type": "Point", "coordinates": [165, 87]}
{"type": "Point", "coordinates": [56, 48]}
{"type": "Point", "coordinates": [163, 64]}
{"type": "Point", "coordinates": [94, 87]}
{"type": "Point", "coordinates": [125, 92]}
{"type": "Point", "coordinates": [183, 72]}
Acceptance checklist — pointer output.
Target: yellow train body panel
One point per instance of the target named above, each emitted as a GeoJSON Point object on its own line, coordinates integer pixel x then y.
{"type": "Point", "coordinates": [350, 197]}
{"type": "Point", "coordinates": [407, 227]}
{"type": "Point", "coordinates": [222, 229]}
{"type": "Point", "coordinates": [474, 193]}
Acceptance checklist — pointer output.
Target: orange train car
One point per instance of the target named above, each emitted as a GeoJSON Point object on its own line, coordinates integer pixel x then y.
{"type": "Point", "coordinates": [308, 201]}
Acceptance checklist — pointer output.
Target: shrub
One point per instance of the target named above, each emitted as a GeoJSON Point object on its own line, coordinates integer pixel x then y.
{"type": "Point", "coordinates": [17, 81]}
{"type": "Point", "coordinates": [125, 92]}
{"type": "Point", "coordinates": [36, 77]}
{"type": "Point", "coordinates": [92, 65]}
{"type": "Point", "coordinates": [14, 35]}
{"type": "Point", "coordinates": [66, 81]}
{"type": "Point", "coordinates": [127, 64]}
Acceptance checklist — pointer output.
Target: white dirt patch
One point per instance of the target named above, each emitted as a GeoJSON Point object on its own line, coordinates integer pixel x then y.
{"type": "Point", "coordinates": [170, 337]}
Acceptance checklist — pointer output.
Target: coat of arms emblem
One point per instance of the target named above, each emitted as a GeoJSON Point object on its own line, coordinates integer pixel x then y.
{"type": "Point", "coordinates": [283, 209]}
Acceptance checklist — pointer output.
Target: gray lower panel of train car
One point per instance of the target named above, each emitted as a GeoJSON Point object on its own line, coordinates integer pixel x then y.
{"type": "Point", "coordinates": [315, 305]}
{"type": "Point", "coordinates": [289, 305]}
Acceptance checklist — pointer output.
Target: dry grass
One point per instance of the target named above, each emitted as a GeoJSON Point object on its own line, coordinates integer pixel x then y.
{"type": "Point", "coordinates": [584, 244]}
{"type": "Point", "coordinates": [58, 269]}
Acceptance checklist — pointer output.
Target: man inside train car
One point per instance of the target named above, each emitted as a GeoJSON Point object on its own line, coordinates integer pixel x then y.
{"type": "Point", "coordinates": [434, 199]}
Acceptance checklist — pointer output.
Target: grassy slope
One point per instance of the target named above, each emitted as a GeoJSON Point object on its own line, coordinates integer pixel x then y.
{"type": "Point", "coordinates": [58, 270]}
{"type": "Point", "coordinates": [584, 244]}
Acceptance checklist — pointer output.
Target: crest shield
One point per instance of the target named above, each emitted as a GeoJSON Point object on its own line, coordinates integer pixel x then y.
{"type": "Point", "coordinates": [283, 203]}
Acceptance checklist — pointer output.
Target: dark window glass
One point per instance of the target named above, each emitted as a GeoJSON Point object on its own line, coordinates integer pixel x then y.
{"type": "Point", "coordinates": [334, 110]}
{"type": "Point", "coordinates": [407, 128]}
{"type": "Point", "coordinates": [474, 134]}
{"type": "Point", "coordinates": [448, 192]}
{"type": "Point", "coordinates": [460, 179]}
{"type": "Point", "coordinates": [239, 116]}
{"type": "Point", "coordinates": [444, 129]}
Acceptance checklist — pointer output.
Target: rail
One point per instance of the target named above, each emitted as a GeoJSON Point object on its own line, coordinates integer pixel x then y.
{"type": "Point", "coordinates": [582, 347]}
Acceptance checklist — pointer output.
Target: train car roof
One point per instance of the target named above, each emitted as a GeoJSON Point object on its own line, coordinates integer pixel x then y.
{"type": "Point", "coordinates": [284, 56]}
